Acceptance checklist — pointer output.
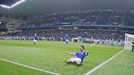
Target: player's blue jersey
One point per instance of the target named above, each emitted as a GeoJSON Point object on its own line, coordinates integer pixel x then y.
{"type": "Point", "coordinates": [81, 55]}
{"type": "Point", "coordinates": [35, 38]}
{"type": "Point", "coordinates": [66, 36]}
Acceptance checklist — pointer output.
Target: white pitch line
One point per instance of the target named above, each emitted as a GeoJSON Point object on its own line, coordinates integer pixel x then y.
{"type": "Point", "coordinates": [99, 66]}
{"type": "Point", "coordinates": [34, 68]}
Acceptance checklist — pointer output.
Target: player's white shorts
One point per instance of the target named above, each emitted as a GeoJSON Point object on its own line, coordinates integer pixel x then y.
{"type": "Point", "coordinates": [35, 40]}
{"type": "Point", "coordinates": [66, 40]}
{"type": "Point", "coordinates": [75, 60]}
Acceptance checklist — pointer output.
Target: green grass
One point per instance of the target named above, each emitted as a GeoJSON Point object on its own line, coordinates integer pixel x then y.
{"type": "Point", "coordinates": [121, 65]}
{"type": "Point", "coordinates": [11, 69]}
{"type": "Point", "coordinates": [51, 56]}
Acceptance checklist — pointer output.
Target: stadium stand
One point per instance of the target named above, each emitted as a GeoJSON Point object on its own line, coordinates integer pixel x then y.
{"type": "Point", "coordinates": [96, 24]}
{"type": "Point", "coordinates": [87, 17]}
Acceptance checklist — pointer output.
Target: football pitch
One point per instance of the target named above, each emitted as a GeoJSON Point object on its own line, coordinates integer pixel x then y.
{"type": "Point", "coordinates": [48, 58]}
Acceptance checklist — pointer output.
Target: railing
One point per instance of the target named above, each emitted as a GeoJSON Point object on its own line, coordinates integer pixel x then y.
{"type": "Point", "coordinates": [76, 25]}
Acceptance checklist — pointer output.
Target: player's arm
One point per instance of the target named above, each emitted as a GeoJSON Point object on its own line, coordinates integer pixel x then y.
{"type": "Point", "coordinates": [71, 53]}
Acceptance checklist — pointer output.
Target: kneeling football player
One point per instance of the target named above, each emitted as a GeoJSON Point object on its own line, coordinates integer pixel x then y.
{"type": "Point", "coordinates": [79, 56]}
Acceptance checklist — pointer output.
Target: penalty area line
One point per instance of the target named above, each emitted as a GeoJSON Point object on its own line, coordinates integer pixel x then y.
{"type": "Point", "coordinates": [26, 66]}
{"type": "Point", "coordinates": [102, 64]}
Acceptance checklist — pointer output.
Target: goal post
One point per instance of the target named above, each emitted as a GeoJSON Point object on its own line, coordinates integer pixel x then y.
{"type": "Point", "coordinates": [129, 38]}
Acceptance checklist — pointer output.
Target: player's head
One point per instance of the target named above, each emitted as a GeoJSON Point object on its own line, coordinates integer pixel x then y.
{"type": "Point", "coordinates": [66, 34]}
{"type": "Point", "coordinates": [82, 48]}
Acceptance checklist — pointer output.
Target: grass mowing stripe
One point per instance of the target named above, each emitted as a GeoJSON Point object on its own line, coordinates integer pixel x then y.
{"type": "Point", "coordinates": [94, 69]}
{"type": "Point", "coordinates": [30, 67]}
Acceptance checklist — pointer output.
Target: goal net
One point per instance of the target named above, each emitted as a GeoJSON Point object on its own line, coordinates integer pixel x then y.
{"type": "Point", "coordinates": [129, 38]}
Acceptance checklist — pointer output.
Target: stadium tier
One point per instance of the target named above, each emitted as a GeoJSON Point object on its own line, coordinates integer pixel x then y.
{"type": "Point", "coordinates": [81, 18]}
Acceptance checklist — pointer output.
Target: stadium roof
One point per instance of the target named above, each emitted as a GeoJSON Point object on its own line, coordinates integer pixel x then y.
{"type": "Point", "coordinates": [37, 7]}
{"type": "Point", "coordinates": [8, 2]}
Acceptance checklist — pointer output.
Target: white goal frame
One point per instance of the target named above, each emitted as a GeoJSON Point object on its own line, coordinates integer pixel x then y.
{"type": "Point", "coordinates": [129, 38]}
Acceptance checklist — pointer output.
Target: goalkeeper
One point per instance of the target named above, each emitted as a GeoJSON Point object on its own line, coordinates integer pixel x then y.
{"type": "Point", "coordinates": [78, 57]}
{"type": "Point", "coordinates": [132, 46]}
